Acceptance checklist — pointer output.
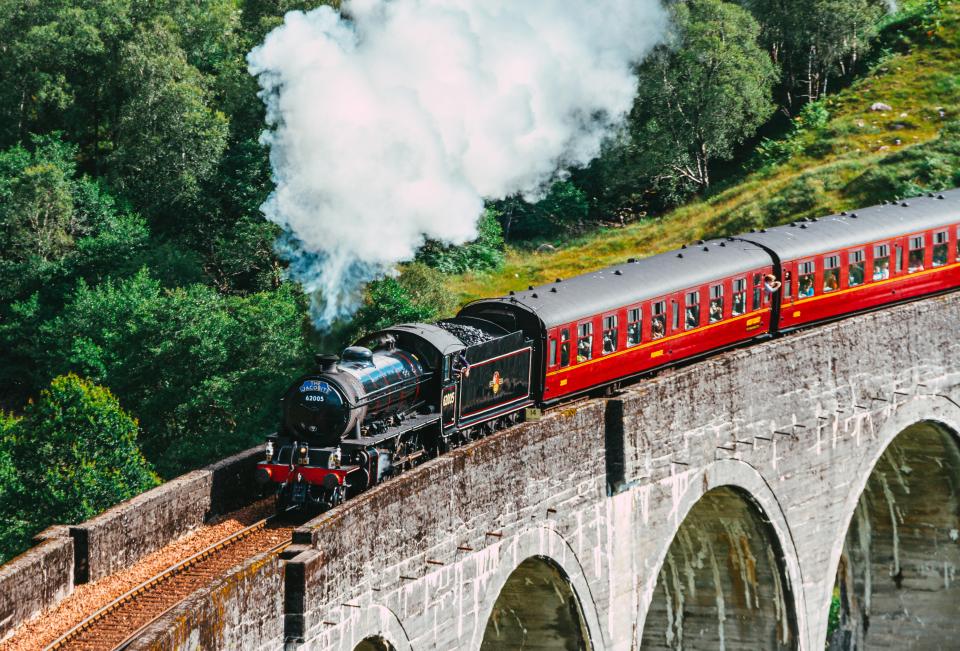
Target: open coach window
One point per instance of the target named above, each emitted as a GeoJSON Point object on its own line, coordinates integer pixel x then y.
{"type": "Point", "coordinates": [634, 317]}
{"type": "Point", "coordinates": [739, 296]}
{"type": "Point", "coordinates": [692, 313]}
{"type": "Point", "coordinates": [658, 320]}
{"type": "Point", "coordinates": [565, 347]}
{"type": "Point", "coordinates": [716, 303]}
{"type": "Point", "coordinates": [610, 332]}
{"type": "Point", "coordinates": [855, 271]}
{"type": "Point", "coordinates": [584, 341]}
{"type": "Point", "coordinates": [940, 253]}
{"type": "Point", "coordinates": [807, 274]}
{"type": "Point", "coordinates": [915, 258]}
{"type": "Point", "coordinates": [881, 262]}
{"type": "Point", "coordinates": [831, 273]}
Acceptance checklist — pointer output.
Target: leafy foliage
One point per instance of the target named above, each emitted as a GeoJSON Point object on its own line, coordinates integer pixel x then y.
{"type": "Point", "coordinates": [75, 454]}
{"type": "Point", "coordinates": [190, 359]}
{"type": "Point", "coordinates": [483, 254]}
{"type": "Point", "coordinates": [417, 294]}
{"type": "Point", "coordinates": [701, 96]}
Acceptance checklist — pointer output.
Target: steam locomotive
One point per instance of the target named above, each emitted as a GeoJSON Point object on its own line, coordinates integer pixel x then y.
{"type": "Point", "coordinates": [412, 391]}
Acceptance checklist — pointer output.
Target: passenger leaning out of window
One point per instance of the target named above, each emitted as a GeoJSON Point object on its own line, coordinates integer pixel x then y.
{"type": "Point", "coordinates": [770, 283]}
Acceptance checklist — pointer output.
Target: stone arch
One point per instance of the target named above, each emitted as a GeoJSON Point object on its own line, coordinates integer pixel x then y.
{"type": "Point", "coordinates": [547, 548]}
{"type": "Point", "coordinates": [896, 567]}
{"type": "Point", "coordinates": [537, 608]}
{"type": "Point", "coordinates": [371, 628]}
{"type": "Point", "coordinates": [728, 559]}
{"type": "Point", "coordinates": [374, 643]}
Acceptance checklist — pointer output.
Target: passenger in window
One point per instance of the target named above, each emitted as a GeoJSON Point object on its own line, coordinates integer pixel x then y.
{"type": "Point", "coordinates": [564, 353]}
{"type": "Point", "coordinates": [692, 317]}
{"type": "Point", "coordinates": [856, 274]}
{"type": "Point", "coordinates": [583, 350]}
{"type": "Point", "coordinates": [881, 268]}
{"type": "Point", "coordinates": [770, 283]}
{"type": "Point", "coordinates": [658, 327]}
{"type": "Point", "coordinates": [915, 261]}
{"type": "Point", "coordinates": [608, 346]}
{"type": "Point", "coordinates": [806, 286]}
{"type": "Point", "coordinates": [831, 280]}
{"type": "Point", "coordinates": [633, 333]}
{"type": "Point", "coordinates": [716, 311]}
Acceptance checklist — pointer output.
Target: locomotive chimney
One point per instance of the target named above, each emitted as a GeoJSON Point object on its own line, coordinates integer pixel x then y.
{"type": "Point", "coordinates": [326, 363]}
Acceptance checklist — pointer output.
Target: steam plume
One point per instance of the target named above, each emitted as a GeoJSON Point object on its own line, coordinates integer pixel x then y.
{"type": "Point", "coordinates": [396, 122]}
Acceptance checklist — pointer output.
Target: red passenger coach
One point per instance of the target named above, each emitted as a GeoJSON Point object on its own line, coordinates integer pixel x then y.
{"type": "Point", "coordinates": [605, 327]}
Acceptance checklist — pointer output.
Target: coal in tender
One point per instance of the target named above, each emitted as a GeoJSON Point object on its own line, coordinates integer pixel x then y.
{"type": "Point", "coordinates": [468, 334]}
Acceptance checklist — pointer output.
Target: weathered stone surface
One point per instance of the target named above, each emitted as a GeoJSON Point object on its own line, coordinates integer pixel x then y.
{"type": "Point", "coordinates": [141, 525]}
{"type": "Point", "coordinates": [795, 427]}
{"type": "Point", "coordinates": [41, 576]}
{"type": "Point", "coordinates": [238, 612]}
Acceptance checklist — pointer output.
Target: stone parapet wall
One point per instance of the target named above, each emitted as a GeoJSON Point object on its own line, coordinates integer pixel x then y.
{"type": "Point", "coordinates": [37, 578]}
{"type": "Point", "coordinates": [147, 522]}
{"type": "Point", "coordinates": [68, 555]}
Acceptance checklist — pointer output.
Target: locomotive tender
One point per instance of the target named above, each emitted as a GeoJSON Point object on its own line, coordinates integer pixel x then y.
{"type": "Point", "coordinates": [412, 391]}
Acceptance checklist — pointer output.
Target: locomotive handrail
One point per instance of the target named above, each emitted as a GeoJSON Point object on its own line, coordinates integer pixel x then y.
{"type": "Point", "coordinates": [171, 571]}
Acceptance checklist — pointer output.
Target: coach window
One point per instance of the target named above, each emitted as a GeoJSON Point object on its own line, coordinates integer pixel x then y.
{"type": "Point", "coordinates": [739, 296]}
{"type": "Point", "coordinates": [806, 271]}
{"type": "Point", "coordinates": [610, 333]}
{"type": "Point", "coordinates": [716, 303]}
{"type": "Point", "coordinates": [831, 273]}
{"type": "Point", "coordinates": [676, 316]}
{"type": "Point", "coordinates": [915, 259]}
{"type": "Point", "coordinates": [633, 326]}
{"type": "Point", "coordinates": [898, 258]}
{"type": "Point", "coordinates": [881, 262]}
{"type": "Point", "coordinates": [584, 341]}
{"type": "Point", "coordinates": [658, 320]}
{"type": "Point", "coordinates": [757, 290]}
{"type": "Point", "coordinates": [692, 312]}
{"type": "Point", "coordinates": [940, 249]}
{"type": "Point", "coordinates": [855, 270]}
{"type": "Point", "coordinates": [553, 352]}
{"type": "Point", "coordinates": [565, 347]}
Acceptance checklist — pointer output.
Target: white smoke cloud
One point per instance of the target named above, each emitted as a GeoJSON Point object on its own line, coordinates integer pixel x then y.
{"type": "Point", "coordinates": [396, 123]}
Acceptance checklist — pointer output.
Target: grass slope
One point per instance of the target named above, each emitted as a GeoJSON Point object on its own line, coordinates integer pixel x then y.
{"type": "Point", "coordinates": [859, 157]}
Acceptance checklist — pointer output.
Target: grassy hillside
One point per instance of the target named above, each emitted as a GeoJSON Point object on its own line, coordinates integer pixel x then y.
{"type": "Point", "coordinates": [855, 157]}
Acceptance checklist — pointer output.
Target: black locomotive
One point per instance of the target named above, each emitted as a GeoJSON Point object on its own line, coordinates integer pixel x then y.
{"type": "Point", "coordinates": [389, 401]}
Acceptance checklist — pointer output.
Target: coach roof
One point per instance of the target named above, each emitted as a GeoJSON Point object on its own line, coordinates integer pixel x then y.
{"type": "Point", "coordinates": [633, 282]}
{"type": "Point", "coordinates": [877, 223]}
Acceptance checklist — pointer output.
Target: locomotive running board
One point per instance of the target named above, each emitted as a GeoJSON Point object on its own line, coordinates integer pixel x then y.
{"type": "Point", "coordinates": [409, 424]}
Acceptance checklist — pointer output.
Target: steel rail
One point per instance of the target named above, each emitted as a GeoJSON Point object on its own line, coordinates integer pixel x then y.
{"type": "Point", "coordinates": [151, 583]}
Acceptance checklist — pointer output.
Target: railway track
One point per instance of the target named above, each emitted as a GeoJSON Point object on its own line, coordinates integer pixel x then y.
{"type": "Point", "coordinates": [118, 623]}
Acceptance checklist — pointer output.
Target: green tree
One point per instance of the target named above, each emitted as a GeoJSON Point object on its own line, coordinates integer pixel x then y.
{"type": "Point", "coordinates": [168, 139]}
{"type": "Point", "coordinates": [701, 95]}
{"type": "Point", "coordinates": [76, 453]}
{"type": "Point", "coordinates": [482, 254]}
{"type": "Point", "coordinates": [201, 369]}
{"type": "Point", "coordinates": [37, 216]}
{"type": "Point", "coordinates": [813, 41]}
{"type": "Point", "coordinates": [563, 210]}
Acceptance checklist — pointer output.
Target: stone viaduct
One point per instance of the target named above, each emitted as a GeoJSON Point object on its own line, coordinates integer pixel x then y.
{"type": "Point", "coordinates": [724, 505]}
